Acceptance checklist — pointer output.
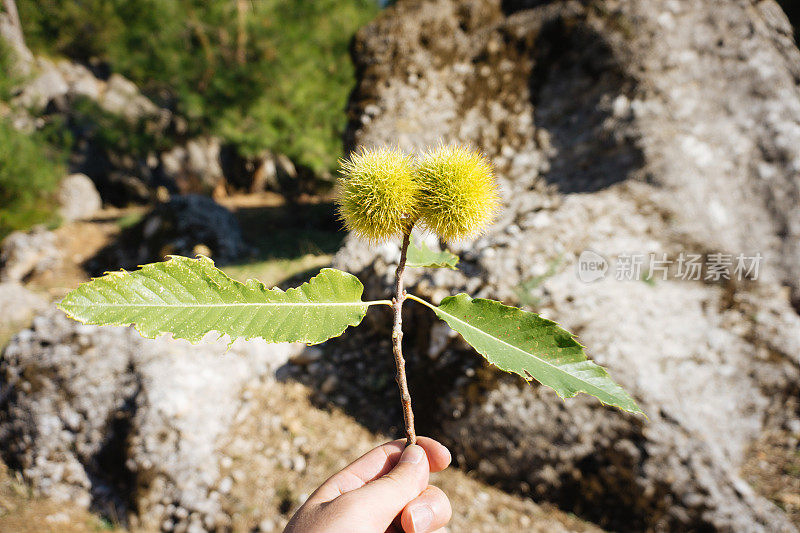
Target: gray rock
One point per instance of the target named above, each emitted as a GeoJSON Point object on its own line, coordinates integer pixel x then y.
{"type": "Point", "coordinates": [103, 417]}
{"type": "Point", "coordinates": [80, 80]}
{"type": "Point", "coordinates": [121, 96]}
{"type": "Point", "coordinates": [65, 79]}
{"type": "Point", "coordinates": [267, 526]}
{"type": "Point", "coordinates": [307, 356]}
{"type": "Point", "coordinates": [24, 303]}
{"type": "Point", "coordinates": [78, 197]}
{"type": "Point", "coordinates": [187, 221]}
{"type": "Point", "coordinates": [195, 167]}
{"type": "Point", "coordinates": [264, 175]}
{"type": "Point", "coordinates": [619, 128]}
{"type": "Point", "coordinates": [23, 254]}
{"type": "Point", "coordinates": [262, 172]}
{"type": "Point", "coordinates": [47, 84]}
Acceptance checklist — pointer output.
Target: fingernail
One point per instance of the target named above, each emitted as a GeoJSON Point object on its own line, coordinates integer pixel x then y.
{"type": "Point", "coordinates": [421, 518]}
{"type": "Point", "coordinates": [412, 454]}
{"type": "Point", "coordinates": [449, 455]}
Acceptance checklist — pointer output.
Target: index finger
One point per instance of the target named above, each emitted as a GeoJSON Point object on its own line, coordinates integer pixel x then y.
{"type": "Point", "coordinates": [374, 464]}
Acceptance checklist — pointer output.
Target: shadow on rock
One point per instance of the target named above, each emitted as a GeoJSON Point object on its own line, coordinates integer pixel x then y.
{"type": "Point", "coordinates": [291, 230]}
{"type": "Point", "coordinates": [186, 225]}
{"type": "Point", "coordinates": [581, 96]}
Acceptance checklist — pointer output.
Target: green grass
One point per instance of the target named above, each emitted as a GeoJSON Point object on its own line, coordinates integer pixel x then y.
{"type": "Point", "coordinates": [129, 220]}
{"type": "Point", "coordinates": [292, 241]}
{"type": "Point", "coordinates": [7, 80]}
{"type": "Point", "coordinates": [31, 165]}
{"type": "Point", "coordinates": [274, 272]}
{"type": "Point", "coordinates": [116, 134]}
{"type": "Point", "coordinates": [30, 170]}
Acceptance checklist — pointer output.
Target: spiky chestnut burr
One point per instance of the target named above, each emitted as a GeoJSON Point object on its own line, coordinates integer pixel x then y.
{"type": "Point", "coordinates": [378, 194]}
{"type": "Point", "coordinates": [458, 193]}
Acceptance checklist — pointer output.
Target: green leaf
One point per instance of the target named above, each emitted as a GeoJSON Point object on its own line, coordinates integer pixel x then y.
{"type": "Point", "coordinates": [425, 257]}
{"type": "Point", "coordinates": [190, 297]}
{"type": "Point", "coordinates": [531, 346]}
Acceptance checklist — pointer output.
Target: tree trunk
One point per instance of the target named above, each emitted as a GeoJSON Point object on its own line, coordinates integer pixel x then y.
{"type": "Point", "coordinates": [241, 36]}
{"type": "Point", "coordinates": [11, 33]}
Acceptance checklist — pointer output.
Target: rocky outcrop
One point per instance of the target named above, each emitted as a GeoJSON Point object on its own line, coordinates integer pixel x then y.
{"type": "Point", "coordinates": [64, 79]}
{"type": "Point", "coordinates": [118, 133]}
{"type": "Point", "coordinates": [110, 123]}
{"type": "Point", "coordinates": [623, 128]}
{"type": "Point", "coordinates": [116, 130]}
{"type": "Point", "coordinates": [130, 146]}
{"type": "Point", "coordinates": [102, 417]}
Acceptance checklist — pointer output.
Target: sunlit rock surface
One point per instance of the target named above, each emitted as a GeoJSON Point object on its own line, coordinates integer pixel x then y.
{"type": "Point", "coordinates": [105, 418]}
{"type": "Point", "coordinates": [661, 127]}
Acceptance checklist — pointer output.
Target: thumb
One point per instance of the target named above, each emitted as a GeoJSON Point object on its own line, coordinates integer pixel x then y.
{"type": "Point", "coordinates": [383, 499]}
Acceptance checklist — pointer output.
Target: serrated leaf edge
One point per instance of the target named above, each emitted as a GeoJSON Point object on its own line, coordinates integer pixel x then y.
{"type": "Point", "coordinates": [529, 377]}
{"type": "Point", "coordinates": [210, 262]}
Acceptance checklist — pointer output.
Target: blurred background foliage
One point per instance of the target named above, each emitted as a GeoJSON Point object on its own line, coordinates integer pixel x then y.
{"type": "Point", "coordinates": [262, 74]}
{"type": "Point", "coordinates": [7, 80]}
{"type": "Point", "coordinates": [29, 174]}
{"type": "Point", "coordinates": [30, 166]}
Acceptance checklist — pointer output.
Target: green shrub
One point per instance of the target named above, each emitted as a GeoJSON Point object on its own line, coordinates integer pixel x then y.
{"type": "Point", "coordinates": [29, 173]}
{"type": "Point", "coordinates": [7, 80]}
{"type": "Point", "coordinates": [284, 87]}
{"type": "Point", "coordinates": [115, 133]}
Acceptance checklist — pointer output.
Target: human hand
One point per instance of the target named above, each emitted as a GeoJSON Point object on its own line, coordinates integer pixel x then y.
{"type": "Point", "coordinates": [384, 491]}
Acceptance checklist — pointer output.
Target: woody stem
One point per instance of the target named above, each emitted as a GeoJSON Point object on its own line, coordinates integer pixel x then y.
{"type": "Point", "coordinates": [397, 342]}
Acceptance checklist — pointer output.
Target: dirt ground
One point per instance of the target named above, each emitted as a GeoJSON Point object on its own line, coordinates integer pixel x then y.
{"type": "Point", "coordinates": [773, 469]}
